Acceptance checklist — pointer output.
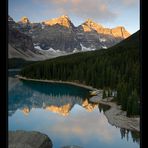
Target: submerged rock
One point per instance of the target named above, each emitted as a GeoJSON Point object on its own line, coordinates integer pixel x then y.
{"type": "Point", "coordinates": [27, 139]}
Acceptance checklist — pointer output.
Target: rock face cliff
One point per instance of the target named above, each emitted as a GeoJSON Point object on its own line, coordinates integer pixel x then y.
{"type": "Point", "coordinates": [93, 35]}
{"type": "Point", "coordinates": [60, 34]}
{"type": "Point", "coordinates": [20, 43]}
{"type": "Point", "coordinates": [19, 40]}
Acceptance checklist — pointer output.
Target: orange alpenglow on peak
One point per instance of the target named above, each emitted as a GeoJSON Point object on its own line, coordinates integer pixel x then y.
{"type": "Point", "coordinates": [120, 31]}
{"type": "Point", "coordinates": [91, 23]}
{"type": "Point", "coordinates": [24, 19]}
{"type": "Point", "coordinates": [121, 27]}
{"type": "Point", "coordinates": [65, 17]}
{"type": "Point", "coordinates": [62, 20]}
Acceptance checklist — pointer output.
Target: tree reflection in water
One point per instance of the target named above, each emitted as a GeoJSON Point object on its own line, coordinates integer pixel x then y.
{"type": "Point", "coordinates": [64, 100]}
{"type": "Point", "coordinates": [124, 132]}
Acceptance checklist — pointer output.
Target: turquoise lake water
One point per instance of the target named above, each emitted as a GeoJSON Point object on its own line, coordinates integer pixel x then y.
{"type": "Point", "coordinates": [64, 113]}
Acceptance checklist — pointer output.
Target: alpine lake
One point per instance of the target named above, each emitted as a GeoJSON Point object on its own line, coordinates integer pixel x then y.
{"type": "Point", "coordinates": [64, 113]}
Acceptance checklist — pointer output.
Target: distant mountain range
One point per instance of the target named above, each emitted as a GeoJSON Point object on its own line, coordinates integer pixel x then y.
{"type": "Point", "coordinates": [58, 36]}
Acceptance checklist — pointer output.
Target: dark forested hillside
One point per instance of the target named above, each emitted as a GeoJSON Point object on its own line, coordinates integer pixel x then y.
{"type": "Point", "coordinates": [18, 63]}
{"type": "Point", "coordinates": [117, 68]}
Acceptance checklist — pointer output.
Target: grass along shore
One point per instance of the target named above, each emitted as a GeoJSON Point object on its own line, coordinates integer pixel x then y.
{"type": "Point", "coordinates": [115, 115]}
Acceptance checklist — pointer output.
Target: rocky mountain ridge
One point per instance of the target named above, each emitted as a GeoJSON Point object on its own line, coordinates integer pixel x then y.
{"type": "Point", "coordinates": [61, 34]}
{"type": "Point", "coordinates": [20, 45]}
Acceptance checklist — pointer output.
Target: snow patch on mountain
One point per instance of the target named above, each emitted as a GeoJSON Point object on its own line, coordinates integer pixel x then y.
{"type": "Point", "coordinates": [42, 25]}
{"type": "Point", "coordinates": [52, 50]}
{"type": "Point", "coordinates": [83, 48]}
{"type": "Point", "coordinates": [104, 47]}
{"type": "Point", "coordinates": [102, 39]}
{"type": "Point", "coordinates": [10, 19]}
{"type": "Point", "coordinates": [75, 50]}
{"type": "Point", "coordinates": [37, 47]}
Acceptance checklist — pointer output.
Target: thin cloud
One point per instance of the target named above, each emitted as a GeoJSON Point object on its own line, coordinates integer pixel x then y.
{"type": "Point", "coordinates": [97, 9]}
{"type": "Point", "coordinates": [123, 3]}
{"type": "Point", "coordinates": [77, 127]}
{"type": "Point", "coordinates": [130, 2]}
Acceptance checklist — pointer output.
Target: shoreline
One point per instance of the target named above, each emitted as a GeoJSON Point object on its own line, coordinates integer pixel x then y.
{"type": "Point", "coordinates": [118, 118]}
{"type": "Point", "coordinates": [56, 81]}
{"type": "Point", "coordinates": [114, 115]}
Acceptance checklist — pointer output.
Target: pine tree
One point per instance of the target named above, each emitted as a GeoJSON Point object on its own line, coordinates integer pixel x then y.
{"type": "Point", "coordinates": [133, 106]}
{"type": "Point", "coordinates": [104, 94]}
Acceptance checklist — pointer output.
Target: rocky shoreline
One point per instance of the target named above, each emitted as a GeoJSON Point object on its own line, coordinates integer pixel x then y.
{"type": "Point", "coordinates": [118, 118]}
{"type": "Point", "coordinates": [115, 115]}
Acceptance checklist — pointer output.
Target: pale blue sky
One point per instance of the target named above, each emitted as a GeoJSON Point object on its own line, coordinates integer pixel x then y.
{"type": "Point", "coordinates": [109, 13]}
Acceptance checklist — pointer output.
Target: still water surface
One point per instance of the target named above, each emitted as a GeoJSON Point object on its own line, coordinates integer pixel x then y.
{"type": "Point", "coordinates": [64, 113]}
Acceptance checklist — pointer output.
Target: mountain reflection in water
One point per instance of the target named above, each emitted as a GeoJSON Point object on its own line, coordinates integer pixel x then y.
{"type": "Point", "coordinates": [38, 96]}
{"type": "Point", "coordinates": [64, 113]}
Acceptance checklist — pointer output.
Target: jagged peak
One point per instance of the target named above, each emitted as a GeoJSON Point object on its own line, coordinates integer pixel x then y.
{"type": "Point", "coordinates": [10, 18]}
{"type": "Point", "coordinates": [119, 27]}
{"type": "Point", "coordinates": [64, 17]}
{"type": "Point", "coordinates": [63, 20]}
{"type": "Point", "coordinates": [24, 19]}
{"type": "Point", "coordinates": [120, 31]}
{"type": "Point", "coordinates": [90, 25]}
{"type": "Point", "coordinates": [58, 18]}
{"type": "Point", "coordinates": [89, 22]}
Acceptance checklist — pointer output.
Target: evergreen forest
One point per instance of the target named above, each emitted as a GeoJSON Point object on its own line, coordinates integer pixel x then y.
{"type": "Point", "coordinates": [114, 69]}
